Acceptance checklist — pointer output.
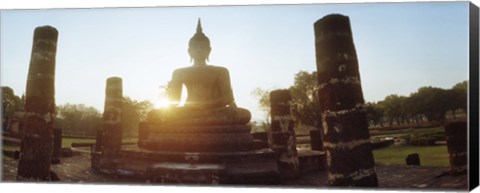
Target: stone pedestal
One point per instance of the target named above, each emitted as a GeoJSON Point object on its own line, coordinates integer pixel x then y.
{"type": "Point", "coordinates": [207, 138]}
{"type": "Point", "coordinates": [36, 147]}
{"type": "Point", "coordinates": [345, 129]}
{"type": "Point", "coordinates": [262, 136]}
{"type": "Point", "coordinates": [187, 173]}
{"type": "Point", "coordinates": [260, 140]}
{"type": "Point", "coordinates": [316, 140]}
{"type": "Point", "coordinates": [201, 153]}
{"type": "Point", "coordinates": [456, 135]}
{"type": "Point", "coordinates": [282, 134]}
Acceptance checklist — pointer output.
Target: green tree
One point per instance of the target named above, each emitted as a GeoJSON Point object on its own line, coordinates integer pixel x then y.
{"type": "Point", "coordinates": [413, 104]}
{"type": "Point", "coordinates": [431, 102]}
{"type": "Point", "coordinates": [305, 106]}
{"type": "Point", "coordinates": [374, 113]}
{"type": "Point", "coordinates": [10, 104]}
{"type": "Point", "coordinates": [393, 106]}
{"type": "Point", "coordinates": [263, 97]}
{"type": "Point", "coordinates": [458, 94]}
{"type": "Point", "coordinates": [133, 113]}
{"type": "Point", "coordinates": [78, 119]}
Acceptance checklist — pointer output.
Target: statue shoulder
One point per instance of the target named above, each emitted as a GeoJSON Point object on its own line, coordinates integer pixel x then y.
{"type": "Point", "coordinates": [180, 71]}
{"type": "Point", "coordinates": [179, 74]}
{"type": "Point", "coordinates": [220, 69]}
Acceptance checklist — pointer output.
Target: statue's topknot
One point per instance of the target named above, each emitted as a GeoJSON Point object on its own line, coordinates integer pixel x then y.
{"type": "Point", "coordinates": [199, 37]}
{"type": "Point", "coordinates": [199, 26]}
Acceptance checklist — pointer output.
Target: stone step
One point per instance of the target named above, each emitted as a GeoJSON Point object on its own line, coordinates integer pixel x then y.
{"type": "Point", "coordinates": [311, 160]}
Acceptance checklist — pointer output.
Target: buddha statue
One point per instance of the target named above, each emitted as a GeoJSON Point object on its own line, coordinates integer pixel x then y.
{"type": "Point", "coordinates": [210, 97]}
{"type": "Point", "coordinates": [209, 120]}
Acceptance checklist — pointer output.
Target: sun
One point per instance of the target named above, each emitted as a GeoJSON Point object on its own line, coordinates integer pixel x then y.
{"type": "Point", "coordinates": [162, 103]}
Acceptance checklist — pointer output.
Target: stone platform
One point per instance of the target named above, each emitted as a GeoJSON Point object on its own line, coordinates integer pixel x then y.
{"type": "Point", "coordinates": [77, 169]}
{"type": "Point", "coordinates": [241, 167]}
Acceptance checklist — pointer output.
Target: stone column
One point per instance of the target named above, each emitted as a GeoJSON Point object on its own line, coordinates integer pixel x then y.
{"type": "Point", "coordinates": [456, 135]}
{"type": "Point", "coordinates": [346, 139]}
{"type": "Point", "coordinates": [316, 140]}
{"type": "Point", "coordinates": [143, 130]}
{"type": "Point", "coordinates": [282, 134]}
{"type": "Point", "coordinates": [57, 145]}
{"type": "Point", "coordinates": [112, 117]}
{"type": "Point", "coordinates": [37, 141]}
{"type": "Point", "coordinates": [98, 139]}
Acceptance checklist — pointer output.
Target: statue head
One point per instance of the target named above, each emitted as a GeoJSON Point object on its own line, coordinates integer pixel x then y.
{"type": "Point", "coordinates": [199, 45]}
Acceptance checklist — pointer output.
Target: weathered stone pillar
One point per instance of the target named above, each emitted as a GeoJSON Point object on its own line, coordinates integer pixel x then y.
{"type": "Point", "coordinates": [316, 140]}
{"type": "Point", "coordinates": [36, 147]}
{"type": "Point", "coordinates": [112, 117]}
{"type": "Point", "coordinates": [143, 130]}
{"type": "Point", "coordinates": [282, 133]}
{"type": "Point", "coordinates": [456, 134]}
{"type": "Point", "coordinates": [98, 139]}
{"type": "Point", "coordinates": [345, 129]}
{"type": "Point", "coordinates": [57, 145]}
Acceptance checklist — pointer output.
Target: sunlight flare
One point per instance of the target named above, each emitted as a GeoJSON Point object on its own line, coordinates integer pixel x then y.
{"type": "Point", "coordinates": [162, 103]}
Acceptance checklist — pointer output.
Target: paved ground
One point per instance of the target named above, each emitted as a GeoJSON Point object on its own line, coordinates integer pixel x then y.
{"type": "Point", "coordinates": [77, 170]}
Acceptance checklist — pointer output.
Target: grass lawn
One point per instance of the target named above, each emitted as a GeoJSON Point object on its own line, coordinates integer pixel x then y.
{"type": "Point", "coordinates": [435, 155]}
{"type": "Point", "coordinates": [429, 155]}
{"type": "Point", "coordinates": [67, 142]}
{"type": "Point", "coordinates": [408, 131]}
{"type": "Point", "coordinates": [10, 147]}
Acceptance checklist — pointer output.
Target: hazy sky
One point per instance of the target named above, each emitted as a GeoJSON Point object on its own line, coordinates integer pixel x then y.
{"type": "Point", "coordinates": [400, 46]}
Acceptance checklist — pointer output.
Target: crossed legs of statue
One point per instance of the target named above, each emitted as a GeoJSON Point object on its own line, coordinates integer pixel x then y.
{"type": "Point", "coordinates": [188, 116]}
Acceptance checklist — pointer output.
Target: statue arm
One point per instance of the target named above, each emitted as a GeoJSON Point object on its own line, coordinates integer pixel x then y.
{"type": "Point", "coordinates": [226, 89]}
{"type": "Point", "coordinates": [175, 89]}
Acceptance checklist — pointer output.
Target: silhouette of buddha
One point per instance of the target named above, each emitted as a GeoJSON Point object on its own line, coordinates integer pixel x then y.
{"type": "Point", "coordinates": [210, 98]}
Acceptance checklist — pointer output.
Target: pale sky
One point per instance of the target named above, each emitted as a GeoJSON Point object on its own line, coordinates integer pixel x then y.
{"type": "Point", "coordinates": [400, 46]}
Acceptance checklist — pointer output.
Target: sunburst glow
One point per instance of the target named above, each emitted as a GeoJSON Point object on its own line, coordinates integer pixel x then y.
{"type": "Point", "coordinates": [162, 103]}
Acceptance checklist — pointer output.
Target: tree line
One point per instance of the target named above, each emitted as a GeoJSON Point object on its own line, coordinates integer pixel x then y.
{"type": "Point", "coordinates": [77, 119]}
{"type": "Point", "coordinates": [427, 104]}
